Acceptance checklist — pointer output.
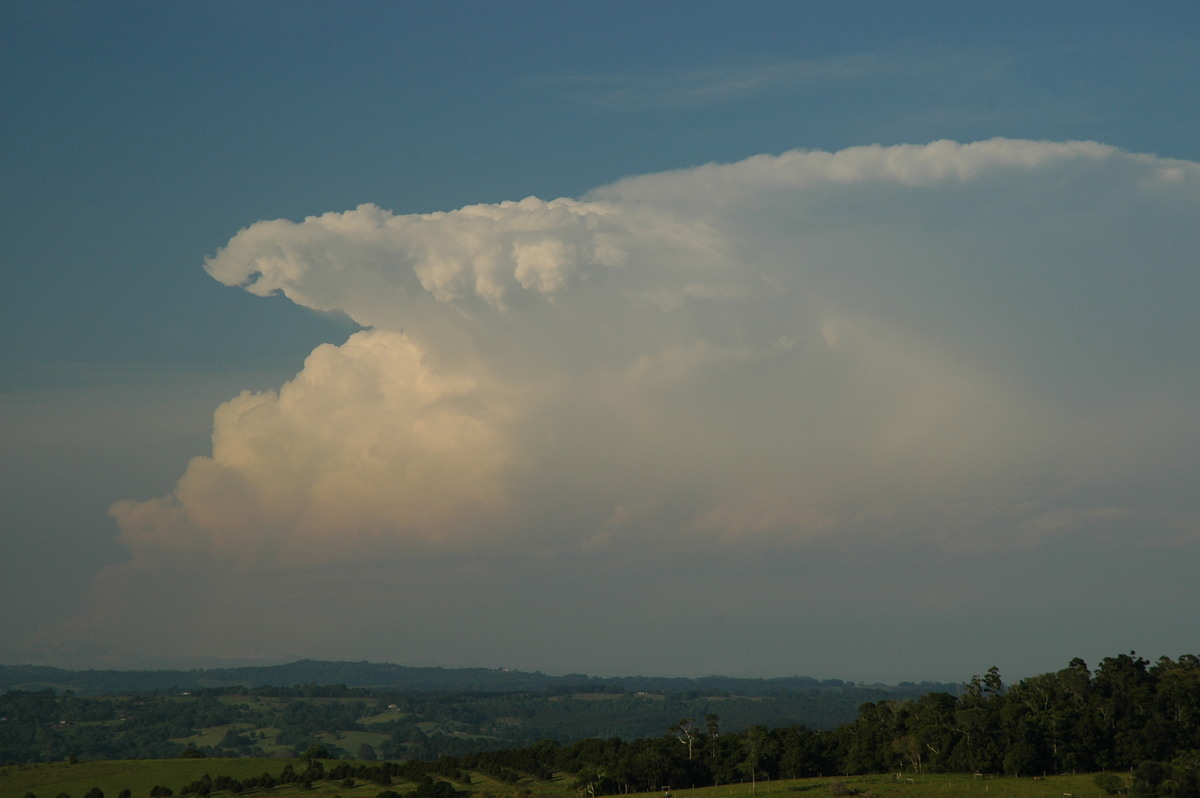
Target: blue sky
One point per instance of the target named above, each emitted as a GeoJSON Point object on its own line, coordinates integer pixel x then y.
{"type": "Point", "coordinates": [950, 390]}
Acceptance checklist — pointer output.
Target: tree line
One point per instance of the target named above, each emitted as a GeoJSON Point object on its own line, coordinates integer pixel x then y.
{"type": "Point", "coordinates": [1127, 716]}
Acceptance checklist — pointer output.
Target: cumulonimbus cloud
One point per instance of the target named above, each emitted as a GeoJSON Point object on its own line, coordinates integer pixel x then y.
{"type": "Point", "coordinates": [972, 344]}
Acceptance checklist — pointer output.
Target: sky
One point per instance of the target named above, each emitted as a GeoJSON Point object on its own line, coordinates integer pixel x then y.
{"type": "Point", "coordinates": [838, 339]}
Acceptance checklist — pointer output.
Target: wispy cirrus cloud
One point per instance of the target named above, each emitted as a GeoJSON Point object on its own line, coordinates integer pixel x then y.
{"type": "Point", "coordinates": [717, 85]}
{"type": "Point", "coordinates": [695, 88]}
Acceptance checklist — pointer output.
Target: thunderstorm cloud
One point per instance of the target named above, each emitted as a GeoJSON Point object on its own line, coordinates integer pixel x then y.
{"type": "Point", "coordinates": [959, 347]}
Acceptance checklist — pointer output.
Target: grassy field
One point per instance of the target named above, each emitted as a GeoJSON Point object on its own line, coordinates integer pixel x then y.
{"type": "Point", "coordinates": [51, 780]}
{"type": "Point", "coordinates": [942, 785]}
{"type": "Point", "coordinates": [139, 776]}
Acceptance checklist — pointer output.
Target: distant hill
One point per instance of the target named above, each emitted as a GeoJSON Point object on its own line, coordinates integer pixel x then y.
{"type": "Point", "coordinates": [386, 676]}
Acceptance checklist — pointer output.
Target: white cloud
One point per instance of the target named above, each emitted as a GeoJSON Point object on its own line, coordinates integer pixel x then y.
{"type": "Point", "coordinates": [366, 441]}
{"type": "Point", "coordinates": [945, 345]}
{"type": "Point", "coordinates": [801, 345]}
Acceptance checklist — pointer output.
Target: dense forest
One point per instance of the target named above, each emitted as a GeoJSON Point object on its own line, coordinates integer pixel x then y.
{"type": "Point", "coordinates": [1127, 715]}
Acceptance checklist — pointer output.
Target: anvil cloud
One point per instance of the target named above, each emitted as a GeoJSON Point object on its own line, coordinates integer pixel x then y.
{"type": "Point", "coordinates": [975, 348]}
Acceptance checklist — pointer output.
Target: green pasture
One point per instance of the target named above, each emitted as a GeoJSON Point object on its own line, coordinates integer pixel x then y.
{"type": "Point", "coordinates": [387, 716]}
{"type": "Point", "coordinates": [50, 780]}
{"type": "Point", "coordinates": [139, 776]}
{"type": "Point", "coordinates": [212, 735]}
{"type": "Point", "coordinates": [351, 741]}
{"type": "Point", "coordinates": [907, 785]}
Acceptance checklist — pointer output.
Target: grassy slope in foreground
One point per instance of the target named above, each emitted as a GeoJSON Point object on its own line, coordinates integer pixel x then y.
{"type": "Point", "coordinates": [49, 780]}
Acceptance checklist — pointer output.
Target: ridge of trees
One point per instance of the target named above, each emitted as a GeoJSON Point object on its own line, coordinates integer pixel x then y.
{"type": "Point", "coordinates": [1127, 715]}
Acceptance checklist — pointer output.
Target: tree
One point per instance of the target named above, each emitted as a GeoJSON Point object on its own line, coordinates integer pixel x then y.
{"type": "Point", "coordinates": [428, 788]}
{"type": "Point", "coordinates": [1122, 698]}
{"type": "Point", "coordinates": [993, 685]}
{"type": "Point", "coordinates": [909, 748]}
{"type": "Point", "coordinates": [1149, 778]}
{"type": "Point", "coordinates": [712, 728]}
{"type": "Point", "coordinates": [650, 763]}
{"type": "Point", "coordinates": [754, 742]}
{"type": "Point", "coordinates": [977, 722]}
{"type": "Point", "coordinates": [315, 752]}
{"type": "Point", "coordinates": [686, 733]}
